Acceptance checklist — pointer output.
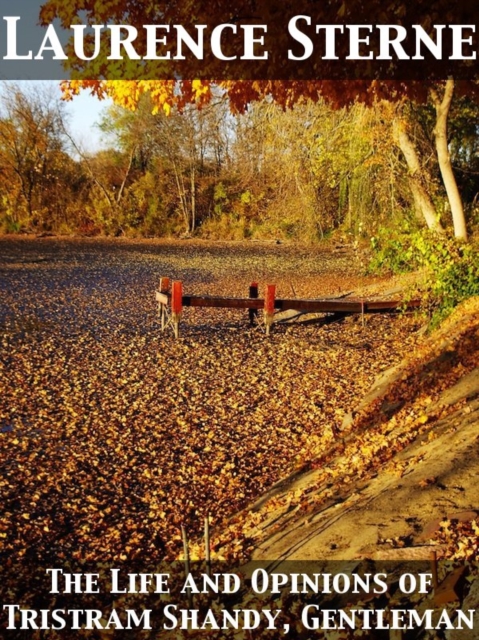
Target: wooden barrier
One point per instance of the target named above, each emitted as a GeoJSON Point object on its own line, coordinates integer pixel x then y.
{"type": "Point", "coordinates": [176, 305]}
{"type": "Point", "coordinates": [270, 304]}
{"type": "Point", "coordinates": [331, 305]}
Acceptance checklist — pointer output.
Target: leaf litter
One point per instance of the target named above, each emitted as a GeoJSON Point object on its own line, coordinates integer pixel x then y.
{"type": "Point", "coordinates": [115, 434]}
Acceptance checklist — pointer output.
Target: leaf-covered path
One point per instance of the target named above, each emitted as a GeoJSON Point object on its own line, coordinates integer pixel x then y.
{"type": "Point", "coordinates": [113, 434]}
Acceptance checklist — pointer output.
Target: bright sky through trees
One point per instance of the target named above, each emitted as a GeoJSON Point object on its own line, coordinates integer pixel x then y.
{"type": "Point", "coordinates": [84, 113]}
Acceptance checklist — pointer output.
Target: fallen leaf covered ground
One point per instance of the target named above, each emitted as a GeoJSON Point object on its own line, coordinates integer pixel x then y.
{"type": "Point", "coordinates": [113, 434]}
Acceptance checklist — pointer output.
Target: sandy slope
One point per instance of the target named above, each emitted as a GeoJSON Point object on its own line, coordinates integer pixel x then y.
{"type": "Point", "coordinates": [389, 505]}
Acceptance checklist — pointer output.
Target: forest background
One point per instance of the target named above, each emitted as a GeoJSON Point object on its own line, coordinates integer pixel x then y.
{"type": "Point", "coordinates": [269, 173]}
{"type": "Point", "coordinates": [377, 174]}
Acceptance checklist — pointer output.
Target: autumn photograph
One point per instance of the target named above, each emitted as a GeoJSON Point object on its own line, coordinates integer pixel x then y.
{"type": "Point", "coordinates": [239, 321]}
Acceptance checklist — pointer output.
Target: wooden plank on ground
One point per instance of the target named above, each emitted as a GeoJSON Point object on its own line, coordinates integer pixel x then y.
{"type": "Point", "coordinates": [383, 305]}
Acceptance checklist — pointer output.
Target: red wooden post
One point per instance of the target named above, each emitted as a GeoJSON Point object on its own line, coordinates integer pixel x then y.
{"type": "Point", "coordinates": [176, 305]}
{"type": "Point", "coordinates": [177, 297]}
{"type": "Point", "coordinates": [269, 300]}
{"type": "Point", "coordinates": [253, 293]}
{"type": "Point", "coordinates": [164, 285]}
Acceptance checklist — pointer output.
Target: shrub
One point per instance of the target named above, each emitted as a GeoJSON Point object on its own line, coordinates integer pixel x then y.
{"type": "Point", "coordinates": [451, 267]}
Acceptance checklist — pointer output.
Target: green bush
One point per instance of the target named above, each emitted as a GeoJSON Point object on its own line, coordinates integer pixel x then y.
{"type": "Point", "coordinates": [392, 252]}
{"type": "Point", "coordinates": [451, 267]}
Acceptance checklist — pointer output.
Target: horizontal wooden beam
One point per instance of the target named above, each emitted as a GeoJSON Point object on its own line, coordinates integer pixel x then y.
{"type": "Point", "coordinates": [227, 303]}
{"type": "Point", "coordinates": [326, 306]}
{"type": "Point", "coordinates": [331, 305]}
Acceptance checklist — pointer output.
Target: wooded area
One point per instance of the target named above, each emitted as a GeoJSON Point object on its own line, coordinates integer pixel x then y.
{"type": "Point", "coordinates": [269, 172]}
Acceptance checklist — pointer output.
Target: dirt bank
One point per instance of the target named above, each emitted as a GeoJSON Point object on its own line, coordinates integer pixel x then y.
{"type": "Point", "coordinates": [405, 460]}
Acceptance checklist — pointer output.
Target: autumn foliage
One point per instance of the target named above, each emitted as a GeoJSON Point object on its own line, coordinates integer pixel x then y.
{"type": "Point", "coordinates": [113, 435]}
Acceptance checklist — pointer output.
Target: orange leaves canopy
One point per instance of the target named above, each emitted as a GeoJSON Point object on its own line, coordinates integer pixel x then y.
{"type": "Point", "coordinates": [285, 83]}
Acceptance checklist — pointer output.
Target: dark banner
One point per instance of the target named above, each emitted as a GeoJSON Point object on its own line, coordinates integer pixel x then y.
{"type": "Point", "coordinates": [261, 600]}
{"type": "Point", "coordinates": [305, 40]}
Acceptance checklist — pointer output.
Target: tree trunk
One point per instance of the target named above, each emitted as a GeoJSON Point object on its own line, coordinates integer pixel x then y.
{"type": "Point", "coordinates": [127, 173]}
{"type": "Point", "coordinates": [181, 196]}
{"type": "Point", "coordinates": [193, 199]}
{"type": "Point", "coordinates": [422, 199]}
{"type": "Point", "coordinates": [444, 158]}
